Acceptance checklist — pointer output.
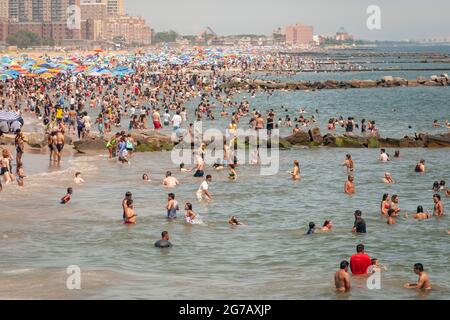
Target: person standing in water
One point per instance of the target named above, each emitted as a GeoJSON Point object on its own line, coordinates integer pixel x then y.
{"type": "Point", "coordinates": [296, 171]}
{"type": "Point", "coordinates": [128, 196]}
{"type": "Point", "coordinates": [342, 278]}
{"type": "Point", "coordinates": [349, 187]}
{"type": "Point", "coordinates": [424, 279]}
{"type": "Point", "coordinates": [170, 181]}
{"type": "Point", "coordinates": [202, 192]}
{"type": "Point", "coordinates": [438, 206]}
{"type": "Point", "coordinates": [19, 142]}
{"type": "Point", "coordinates": [59, 144]}
{"type": "Point", "coordinates": [172, 206]}
{"type": "Point", "coordinates": [348, 163]}
{"type": "Point", "coordinates": [233, 173]}
{"type": "Point", "coordinates": [164, 242]}
{"type": "Point", "coordinates": [420, 167]}
{"type": "Point", "coordinates": [130, 216]}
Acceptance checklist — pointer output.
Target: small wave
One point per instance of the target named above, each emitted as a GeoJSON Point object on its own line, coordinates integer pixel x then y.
{"type": "Point", "coordinates": [17, 271]}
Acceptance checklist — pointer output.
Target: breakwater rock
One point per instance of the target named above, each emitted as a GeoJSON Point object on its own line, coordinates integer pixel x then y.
{"type": "Point", "coordinates": [384, 82]}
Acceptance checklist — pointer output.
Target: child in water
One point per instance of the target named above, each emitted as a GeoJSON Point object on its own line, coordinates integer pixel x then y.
{"type": "Point", "coordinates": [78, 179]}
{"type": "Point", "coordinates": [20, 175]}
{"type": "Point", "coordinates": [375, 267]}
{"type": "Point", "coordinates": [66, 198]}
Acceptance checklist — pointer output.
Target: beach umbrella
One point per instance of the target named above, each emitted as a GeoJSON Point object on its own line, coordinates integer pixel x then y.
{"type": "Point", "coordinates": [46, 75]}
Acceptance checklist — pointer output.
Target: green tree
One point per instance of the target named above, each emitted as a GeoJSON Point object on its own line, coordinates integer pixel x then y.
{"type": "Point", "coordinates": [166, 36]}
{"type": "Point", "coordinates": [24, 39]}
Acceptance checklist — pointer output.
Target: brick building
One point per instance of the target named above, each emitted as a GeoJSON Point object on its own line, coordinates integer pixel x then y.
{"type": "Point", "coordinates": [299, 34]}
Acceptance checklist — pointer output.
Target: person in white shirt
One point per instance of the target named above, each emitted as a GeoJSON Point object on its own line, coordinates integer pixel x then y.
{"type": "Point", "coordinates": [202, 192]}
{"type": "Point", "coordinates": [177, 121]}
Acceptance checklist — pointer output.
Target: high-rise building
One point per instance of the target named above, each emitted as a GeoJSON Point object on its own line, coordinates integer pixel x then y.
{"type": "Point", "coordinates": [24, 10]}
{"type": "Point", "coordinates": [4, 9]}
{"type": "Point", "coordinates": [132, 29]}
{"type": "Point", "coordinates": [93, 10]}
{"type": "Point", "coordinates": [41, 10]}
{"type": "Point", "coordinates": [299, 34]}
{"type": "Point", "coordinates": [115, 7]}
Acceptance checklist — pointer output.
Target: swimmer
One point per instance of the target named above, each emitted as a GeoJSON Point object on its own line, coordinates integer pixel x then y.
{"type": "Point", "coordinates": [128, 196]}
{"type": "Point", "coordinates": [349, 187]}
{"type": "Point", "coordinates": [342, 278]}
{"type": "Point", "coordinates": [420, 167]}
{"type": "Point", "coordinates": [388, 178]}
{"type": "Point", "coordinates": [218, 166]}
{"type": "Point", "coordinates": [348, 163]}
{"type": "Point", "coordinates": [296, 172]}
{"type": "Point", "coordinates": [311, 228]}
{"type": "Point", "coordinates": [183, 169]}
{"type": "Point", "coordinates": [397, 154]}
{"type": "Point", "coordinates": [394, 205]}
{"type": "Point", "coordinates": [189, 215]}
{"type": "Point", "coordinates": [164, 242]}
{"type": "Point", "coordinates": [327, 226]}
{"type": "Point", "coordinates": [130, 216]}
{"type": "Point", "coordinates": [172, 206]}
{"type": "Point", "coordinates": [66, 198]}
{"type": "Point", "coordinates": [233, 173]}
{"type": "Point", "coordinates": [385, 205]}
{"type": "Point", "coordinates": [424, 280]}
{"type": "Point", "coordinates": [234, 221]}
{"type": "Point", "coordinates": [420, 215]}
{"type": "Point", "coordinates": [202, 192]}
{"type": "Point", "coordinates": [435, 186]}
{"type": "Point", "coordinates": [170, 181]}
{"type": "Point", "coordinates": [78, 179]}
{"type": "Point", "coordinates": [438, 206]}
{"type": "Point", "coordinates": [384, 157]}
{"type": "Point", "coordinates": [390, 219]}
{"type": "Point", "coordinates": [145, 177]}
{"type": "Point", "coordinates": [376, 266]}
{"type": "Point", "coordinates": [20, 175]}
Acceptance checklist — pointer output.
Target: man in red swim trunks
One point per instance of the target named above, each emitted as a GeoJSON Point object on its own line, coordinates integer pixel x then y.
{"type": "Point", "coordinates": [360, 261]}
{"type": "Point", "coordinates": [156, 119]}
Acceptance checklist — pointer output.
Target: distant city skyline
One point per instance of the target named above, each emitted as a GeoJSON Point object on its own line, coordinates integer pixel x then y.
{"type": "Point", "coordinates": [400, 19]}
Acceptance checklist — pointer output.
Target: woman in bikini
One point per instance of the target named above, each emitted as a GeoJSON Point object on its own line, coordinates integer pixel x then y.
{"type": "Point", "coordinates": [130, 217]}
{"type": "Point", "coordinates": [385, 205]}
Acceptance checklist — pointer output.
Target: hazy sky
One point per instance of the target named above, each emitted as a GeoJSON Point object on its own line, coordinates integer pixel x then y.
{"type": "Point", "coordinates": [400, 19]}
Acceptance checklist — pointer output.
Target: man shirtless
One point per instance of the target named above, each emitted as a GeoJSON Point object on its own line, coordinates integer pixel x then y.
{"type": "Point", "coordinates": [349, 187]}
{"type": "Point", "coordinates": [438, 206]}
{"type": "Point", "coordinates": [424, 280]}
{"type": "Point", "coordinates": [59, 144]}
{"type": "Point", "coordinates": [170, 181]}
{"type": "Point", "coordinates": [342, 278]}
{"type": "Point", "coordinates": [259, 123]}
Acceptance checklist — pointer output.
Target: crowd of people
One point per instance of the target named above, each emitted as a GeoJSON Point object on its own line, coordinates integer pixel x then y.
{"type": "Point", "coordinates": [155, 97]}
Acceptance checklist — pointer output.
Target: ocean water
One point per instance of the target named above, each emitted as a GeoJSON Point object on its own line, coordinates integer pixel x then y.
{"type": "Point", "coordinates": [270, 258]}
